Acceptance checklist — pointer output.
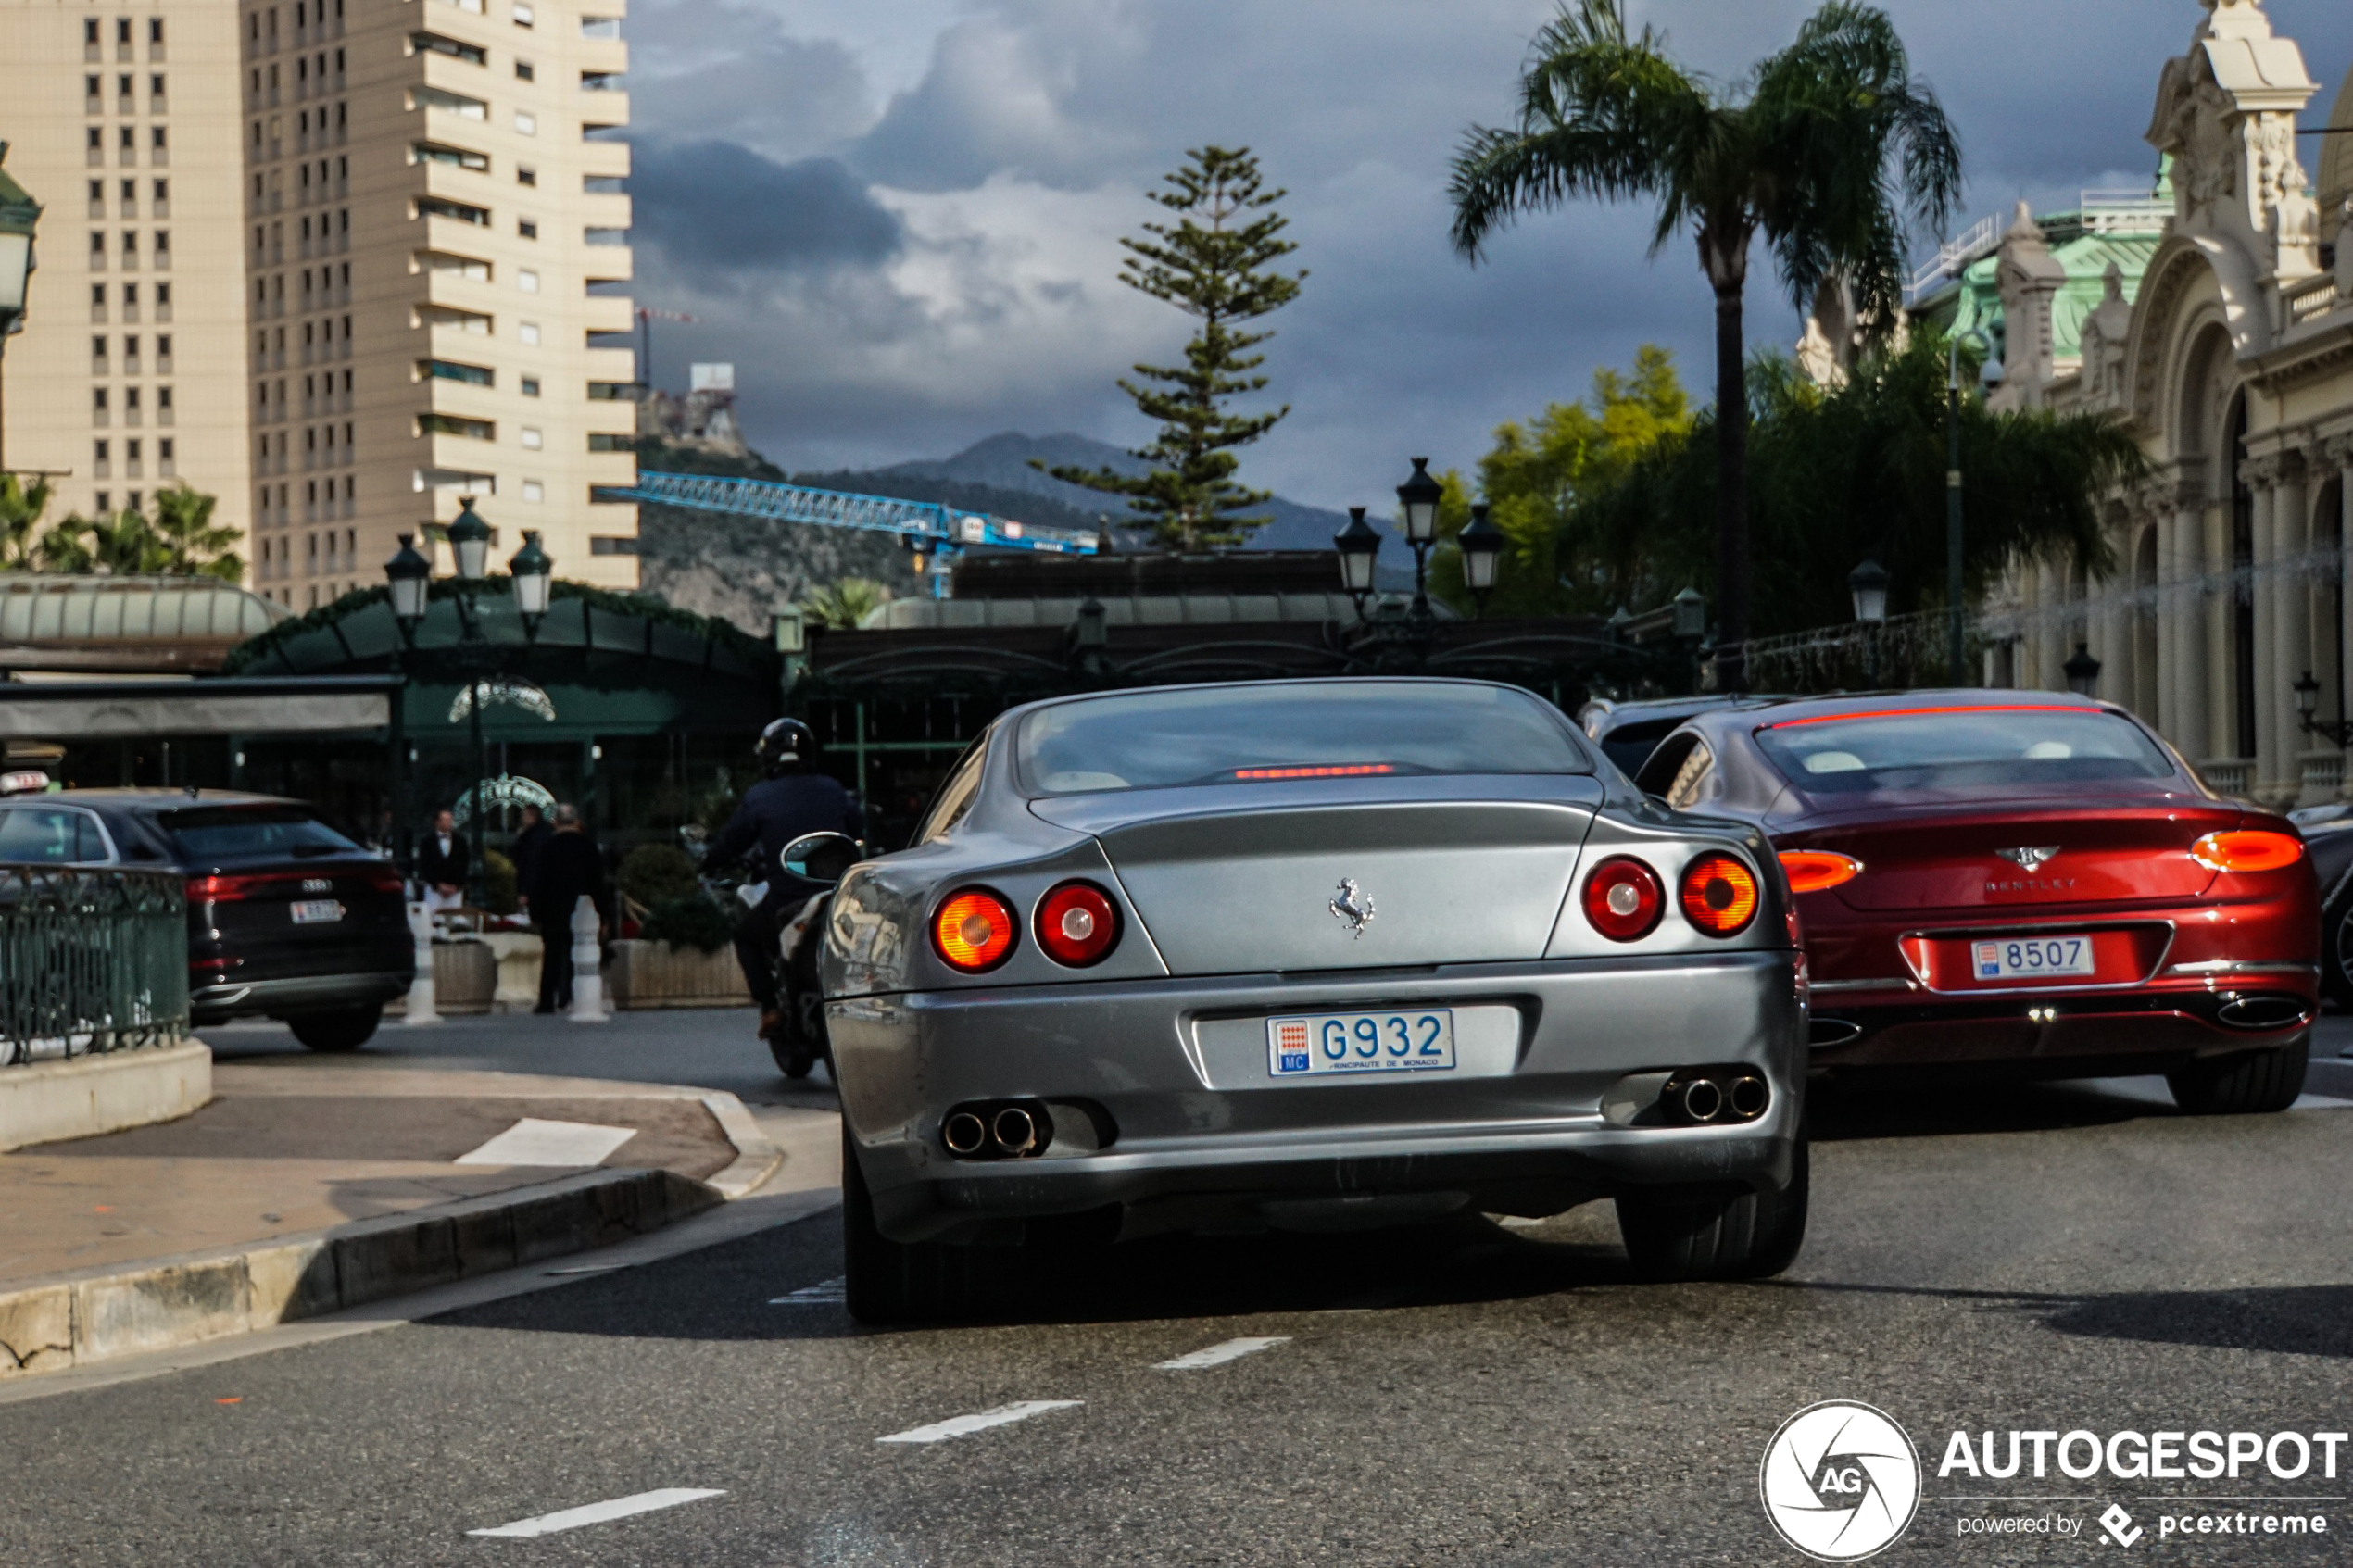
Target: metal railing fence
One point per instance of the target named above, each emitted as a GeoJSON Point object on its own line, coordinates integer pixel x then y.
{"type": "Point", "coordinates": [91, 960]}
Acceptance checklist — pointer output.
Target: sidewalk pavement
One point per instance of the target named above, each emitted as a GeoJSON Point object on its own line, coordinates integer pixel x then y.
{"type": "Point", "coordinates": [315, 1184]}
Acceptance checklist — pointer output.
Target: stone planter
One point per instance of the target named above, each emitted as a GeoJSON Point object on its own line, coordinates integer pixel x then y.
{"type": "Point", "coordinates": [465, 977]}
{"type": "Point", "coordinates": [518, 954]}
{"type": "Point", "coordinates": [655, 974]}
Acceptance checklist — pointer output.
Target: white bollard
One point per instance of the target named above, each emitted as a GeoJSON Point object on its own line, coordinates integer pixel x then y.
{"type": "Point", "coordinates": [421, 998]}
{"type": "Point", "coordinates": [587, 986]}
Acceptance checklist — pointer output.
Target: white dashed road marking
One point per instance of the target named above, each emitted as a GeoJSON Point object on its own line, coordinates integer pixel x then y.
{"type": "Point", "coordinates": [600, 1512]}
{"type": "Point", "coordinates": [1218, 1355]}
{"type": "Point", "coordinates": [833, 1292]}
{"type": "Point", "coordinates": [958, 1426]}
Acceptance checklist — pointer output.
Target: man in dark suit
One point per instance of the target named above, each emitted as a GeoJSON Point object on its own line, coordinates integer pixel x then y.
{"type": "Point", "coordinates": [443, 861]}
{"type": "Point", "coordinates": [565, 869]}
{"type": "Point", "coordinates": [528, 844]}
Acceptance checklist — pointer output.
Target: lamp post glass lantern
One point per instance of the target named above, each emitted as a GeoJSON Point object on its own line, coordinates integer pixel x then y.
{"type": "Point", "coordinates": [2083, 672]}
{"type": "Point", "coordinates": [534, 571]}
{"type": "Point", "coordinates": [19, 216]}
{"type": "Point", "coordinates": [1417, 501]}
{"type": "Point", "coordinates": [1482, 547]}
{"type": "Point", "coordinates": [1359, 547]}
{"type": "Point", "coordinates": [469, 542]}
{"type": "Point", "coordinates": [410, 575]}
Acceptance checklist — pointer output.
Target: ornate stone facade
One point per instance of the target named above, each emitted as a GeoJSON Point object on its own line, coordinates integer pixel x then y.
{"type": "Point", "coordinates": [2233, 364]}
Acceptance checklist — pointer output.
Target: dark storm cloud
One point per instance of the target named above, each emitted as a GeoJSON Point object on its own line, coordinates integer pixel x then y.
{"type": "Point", "coordinates": [1012, 136]}
{"type": "Point", "coordinates": [715, 207]}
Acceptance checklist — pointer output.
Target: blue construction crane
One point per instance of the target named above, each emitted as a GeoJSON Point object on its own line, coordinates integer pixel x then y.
{"type": "Point", "coordinates": [924, 528]}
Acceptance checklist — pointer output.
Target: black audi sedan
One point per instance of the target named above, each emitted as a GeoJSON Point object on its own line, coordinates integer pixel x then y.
{"type": "Point", "coordinates": [287, 918]}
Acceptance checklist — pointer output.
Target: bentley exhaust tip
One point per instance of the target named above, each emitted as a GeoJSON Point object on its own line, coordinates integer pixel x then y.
{"type": "Point", "coordinates": [1748, 1097]}
{"type": "Point", "coordinates": [2263, 1012]}
{"type": "Point", "coordinates": [1015, 1130]}
{"type": "Point", "coordinates": [1703, 1100]}
{"type": "Point", "coordinates": [963, 1132]}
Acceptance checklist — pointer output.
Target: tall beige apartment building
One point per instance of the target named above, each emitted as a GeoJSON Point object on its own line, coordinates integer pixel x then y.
{"type": "Point", "coordinates": [121, 120]}
{"type": "Point", "coordinates": [395, 227]}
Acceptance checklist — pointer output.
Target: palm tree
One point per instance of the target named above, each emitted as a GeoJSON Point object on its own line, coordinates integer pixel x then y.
{"type": "Point", "coordinates": [841, 605]}
{"type": "Point", "coordinates": [1825, 149]}
{"type": "Point", "coordinates": [21, 509]}
{"type": "Point", "coordinates": [190, 544]}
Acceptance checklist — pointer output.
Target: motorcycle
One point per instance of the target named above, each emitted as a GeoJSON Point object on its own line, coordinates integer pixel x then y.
{"type": "Point", "coordinates": [799, 1042]}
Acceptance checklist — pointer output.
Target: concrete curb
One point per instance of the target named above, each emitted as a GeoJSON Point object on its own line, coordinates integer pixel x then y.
{"type": "Point", "coordinates": [84, 1096]}
{"type": "Point", "coordinates": [80, 1318]}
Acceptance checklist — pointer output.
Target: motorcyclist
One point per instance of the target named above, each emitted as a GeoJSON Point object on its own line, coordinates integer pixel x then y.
{"type": "Point", "coordinates": [789, 801]}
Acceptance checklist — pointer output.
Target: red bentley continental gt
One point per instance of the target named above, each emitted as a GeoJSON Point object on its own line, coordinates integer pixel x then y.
{"type": "Point", "coordinates": [2023, 880]}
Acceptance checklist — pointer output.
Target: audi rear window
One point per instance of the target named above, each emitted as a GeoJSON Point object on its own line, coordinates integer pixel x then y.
{"type": "Point", "coordinates": [1266, 733]}
{"type": "Point", "coordinates": [1960, 749]}
{"type": "Point", "coordinates": [232, 832]}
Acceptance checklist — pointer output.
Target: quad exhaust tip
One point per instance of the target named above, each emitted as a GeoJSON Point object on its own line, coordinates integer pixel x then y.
{"type": "Point", "coordinates": [998, 1129]}
{"type": "Point", "coordinates": [1714, 1097]}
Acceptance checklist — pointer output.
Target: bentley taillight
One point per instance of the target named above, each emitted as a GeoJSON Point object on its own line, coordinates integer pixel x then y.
{"type": "Point", "coordinates": [1077, 924]}
{"type": "Point", "coordinates": [1623, 898]}
{"type": "Point", "coordinates": [1720, 895]}
{"type": "Point", "coordinates": [1818, 871]}
{"type": "Point", "coordinates": [2251, 850]}
{"type": "Point", "coordinates": [973, 931]}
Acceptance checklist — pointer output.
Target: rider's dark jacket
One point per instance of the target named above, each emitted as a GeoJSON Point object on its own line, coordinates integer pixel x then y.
{"type": "Point", "coordinates": [773, 813]}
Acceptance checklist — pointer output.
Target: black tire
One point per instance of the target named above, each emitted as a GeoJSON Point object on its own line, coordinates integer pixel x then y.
{"type": "Point", "coordinates": [889, 1283]}
{"type": "Point", "coordinates": [2252, 1083]}
{"type": "Point", "coordinates": [2336, 952]}
{"type": "Point", "coordinates": [1712, 1233]}
{"type": "Point", "coordinates": [344, 1029]}
{"type": "Point", "coordinates": [794, 1059]}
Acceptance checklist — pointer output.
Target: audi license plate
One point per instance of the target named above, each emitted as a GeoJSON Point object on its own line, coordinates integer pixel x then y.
{"type": "Point", "coordinates": [316, 911]}
{"type": "Point", "coordinates": [2031, 958]}
{"type": "Point", "coordinates": [1413, 1041]}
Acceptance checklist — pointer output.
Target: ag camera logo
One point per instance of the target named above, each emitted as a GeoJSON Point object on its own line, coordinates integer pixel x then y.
{"type": "Point", "coordinates": [1840, 1481]}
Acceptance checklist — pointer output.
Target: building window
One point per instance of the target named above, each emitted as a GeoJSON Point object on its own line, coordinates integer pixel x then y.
{"type": "Point", "coordinates": [106, 502]}
{"type": "Point", "coordinates": [527, 330]}
{"type": "Point", "coordinates": [604, 441]}
{"type": "Point", "coordinates": [451, 369]}
{"type": "Point", "coordinates": [163, 246]}
{"type": "Point", "coordinates": [526, 124]}
{"type": "Point", "coordinates": [101, 458]}
{"type": "Point", "coordinates": [526, 175]}
{"type": "Point", "coordinates": [612, 545]}
{"type": "Point", "coordinates": [524, 16]}
{"type": "Point", "coordinates": [528, 228]}
{"type": "Point", "coordinates": [531, 439]}
{"type": "Point", "coordinates": [155, 137]}
{"type": "Point", "coordinates": [90, 33]}
{"type": "Point", "coordinates": [531, 387]}
{"type": "Point", "coordinates": [533, 491]}
{"type": "Point", "coordinates": [527, 280]}
{"type": "Point", "coordinates": [437, 206]}
{"type": "Point", "coordinates": [451, 424]}
{"type": "Point", "coordinates": [525, 72]}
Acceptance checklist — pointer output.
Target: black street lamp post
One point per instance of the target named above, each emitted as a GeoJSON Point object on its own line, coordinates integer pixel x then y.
{"type": "Point", "coordinates": [1867, 583]}
{"type": "Point", "coordinates": [2336, 732]}
{"type": "Point", "coordinates": [1417, 501]}
{"type": "Point", "coordinates": [2083, 672]}
{"type": "Point", "coordinates": [1359, 547]}
{"type": "Point", "coordinates": [1482, 547]}
{"type": "Point", "coordinates": [410, 575]}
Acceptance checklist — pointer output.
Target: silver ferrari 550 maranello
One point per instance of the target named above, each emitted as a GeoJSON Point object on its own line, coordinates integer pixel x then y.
{"type": "Point", "coordinates": [1307, 955]}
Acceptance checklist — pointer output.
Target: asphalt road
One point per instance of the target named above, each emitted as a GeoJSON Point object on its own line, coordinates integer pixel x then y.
{"type": "Point", "coordinates": [2049, 1258]}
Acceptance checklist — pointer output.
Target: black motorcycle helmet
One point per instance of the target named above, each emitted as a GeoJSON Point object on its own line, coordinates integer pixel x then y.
{"type": "Point", "coordinates": [785, 745]}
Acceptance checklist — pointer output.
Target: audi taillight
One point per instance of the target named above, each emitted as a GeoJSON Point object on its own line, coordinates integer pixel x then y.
{"type": "Point", "coordinates": [1818, 871]}
{"type": "Point", "coordinates": [1623, 898]}
{"type": "Point", "coordinates": [216, 889]}
{"type": "Point", "coordinates": [1077, 924]}
{"type": "Point", "coordinates": [973, 931]}
{"type": "Point", "coordinates": [1720, 895]}
{"type": "Point", "coordinates": [2248, 850]}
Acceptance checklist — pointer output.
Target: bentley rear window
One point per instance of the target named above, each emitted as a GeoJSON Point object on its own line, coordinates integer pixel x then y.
{"type": "Point", "coordinates": [1284, 731]}
{"type": "Point", "coordinates": [1960, 748]}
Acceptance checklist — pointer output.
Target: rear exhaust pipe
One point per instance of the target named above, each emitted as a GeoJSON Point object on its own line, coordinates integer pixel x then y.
{"type": "Point", "coordinates": [1827, 1031]}
{"type": "Point", "coordinates": [1015, 1130]}
{"type": "Point", "coordinates": [1748, 1097]}
{"type": "Point", "coordinates": [2262, 1013]}
{"type": "Point", "coordinates": [964, 1133]}
{"type": "Point", "coordinates": [1702, 1102]}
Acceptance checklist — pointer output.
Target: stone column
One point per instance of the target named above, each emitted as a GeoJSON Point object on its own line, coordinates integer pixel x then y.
{"type": "Point", "coordinates": [2262, 476]}
{"type": "Point", "coordinates": [2290, 612]}
{"type": "Point", "coordinates": [2112, 623]}
{"type": "Point", "coordinates": [2217, 725]}
{"type": "Point", "coordinates": [2166, 709]}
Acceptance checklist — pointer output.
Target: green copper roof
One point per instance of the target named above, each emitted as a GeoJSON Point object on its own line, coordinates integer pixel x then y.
{"type": "Point", "coordinates": [1974, 300]}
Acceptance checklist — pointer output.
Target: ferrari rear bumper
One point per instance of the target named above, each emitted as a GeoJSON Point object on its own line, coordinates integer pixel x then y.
{"type": "Point", "coordinates": [1175, 1119]}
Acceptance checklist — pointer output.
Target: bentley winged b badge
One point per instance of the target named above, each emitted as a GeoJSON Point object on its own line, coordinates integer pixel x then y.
{"type": "Point", "coordinates": [1353, 905]}
{"type": "Point", "coordinates": [2028, 859]}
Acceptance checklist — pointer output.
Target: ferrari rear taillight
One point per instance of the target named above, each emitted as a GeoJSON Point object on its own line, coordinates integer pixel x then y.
{"type": "Point", "coordinates": [2250, 850]}
{"type": "Point", "coordinates": [1817, 870]}
{"type": "Point", "coordinates": [1077, 924]}
{"type": "Point", "coordinates": [1720, 895]}
{"type": "Point", "coordinates": [973, 931]}
{"type": "Point", "coordinates": [1623, 898]}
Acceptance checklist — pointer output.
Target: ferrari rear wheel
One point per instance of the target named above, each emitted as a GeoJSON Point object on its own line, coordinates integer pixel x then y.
{"type": "Point", "coordinates": [892, 1282]}
{"type": "Point", "coordinates": [2249, 1083]}
{"type": "Point", "coordinates": [1709, 1233]}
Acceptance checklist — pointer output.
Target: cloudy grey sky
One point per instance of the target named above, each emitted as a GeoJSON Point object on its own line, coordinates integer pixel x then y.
{"type": "Point", "coordinates": [900, 218]}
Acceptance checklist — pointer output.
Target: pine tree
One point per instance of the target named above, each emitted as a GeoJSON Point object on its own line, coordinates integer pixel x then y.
{"type": "Point", "coordinates": [1210, 265]}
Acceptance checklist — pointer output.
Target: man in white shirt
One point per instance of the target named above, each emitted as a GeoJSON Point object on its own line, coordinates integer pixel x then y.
{"type": "Point", "coordinates": [441, 862]}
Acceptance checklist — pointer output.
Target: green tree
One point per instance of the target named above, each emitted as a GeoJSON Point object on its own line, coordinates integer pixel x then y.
{"type": "Point", "coordinates": [841, 606]}
{"type": "Point", "coordinates": [1840, 476]}
{"type": "Point", "coordinates": [1824, 150]}
{"type": "Point", "coordinates": [180, 540]}
{"type": "Point", "coordinates": [191, 544]}
{"type": "Point", "coordinates": [21, 509]}
{"type": "Point", "coordinates": [1212, 264]}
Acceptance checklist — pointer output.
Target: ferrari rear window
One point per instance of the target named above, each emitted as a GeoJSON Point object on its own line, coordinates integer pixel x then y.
{"type": "Point", "coordinates": [1960, 748]}
{"type": "Point", "coordinates": [1290, 730]}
